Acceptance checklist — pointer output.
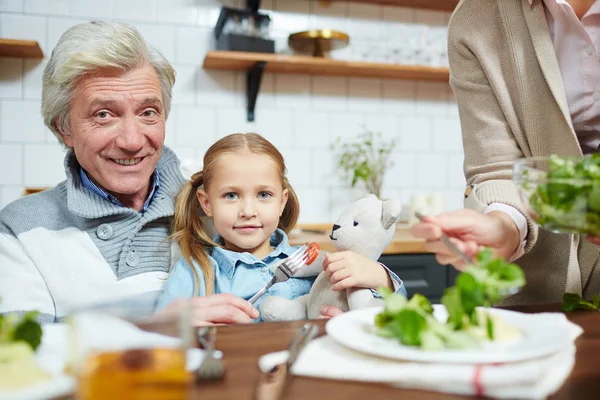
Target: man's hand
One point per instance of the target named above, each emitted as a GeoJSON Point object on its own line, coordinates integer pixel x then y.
{"type": "Point", "coordinates": [347, 269]}
{"type": "Point", "coordinates": [215, 309]}
{"type": "Point", "coordinates": [469, 231]}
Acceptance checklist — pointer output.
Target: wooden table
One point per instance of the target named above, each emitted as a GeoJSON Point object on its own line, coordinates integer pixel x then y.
{"type": "Point", "coordinates": [242, 345]}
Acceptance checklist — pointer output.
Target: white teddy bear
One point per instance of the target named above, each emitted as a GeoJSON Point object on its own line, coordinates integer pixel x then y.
{"type": "Point", "coordinates": [366, 228]}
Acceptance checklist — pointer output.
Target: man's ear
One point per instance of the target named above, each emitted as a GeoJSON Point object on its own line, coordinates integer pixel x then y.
{"type": "Point", "coordinates": [65, 136]}
{"type": "Point", "coordinates": [204, 202]}
{"type": "Point", "coordinates": [284, 200]}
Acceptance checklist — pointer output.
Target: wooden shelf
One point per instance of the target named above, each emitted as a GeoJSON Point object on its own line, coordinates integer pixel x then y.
{"type": "Point", "coordinates": [292, 64]}
{"type": "Point", "coordinates": [20, 48]}
{"type": "Point", "coordinates": [437, 5]}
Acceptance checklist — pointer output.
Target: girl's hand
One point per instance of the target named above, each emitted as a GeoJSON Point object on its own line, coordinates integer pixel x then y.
{"type": "Point", "coordinates": [347, 269]}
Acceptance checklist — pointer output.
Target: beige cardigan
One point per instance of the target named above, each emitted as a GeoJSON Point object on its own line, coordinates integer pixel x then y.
{"type": "Point", "coordinates": [512, 104]}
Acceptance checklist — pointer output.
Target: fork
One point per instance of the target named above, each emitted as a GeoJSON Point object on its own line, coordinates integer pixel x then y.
{"type": "Point", "coordinates": [273, 384]}
{"type": "Point", "coordinates": [444, 238]}
{"type": "Point", "coordinates": [285, 270]}
{"type": "Point", "coordinates": [212, 368]}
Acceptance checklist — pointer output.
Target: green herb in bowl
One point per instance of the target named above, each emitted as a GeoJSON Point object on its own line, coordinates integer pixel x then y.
{"type": "Point", "coordinates": [561, 194]}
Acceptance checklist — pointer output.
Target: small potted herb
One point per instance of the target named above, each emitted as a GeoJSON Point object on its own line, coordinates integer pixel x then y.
{"type": "Point", "coordinates": [366, 160]}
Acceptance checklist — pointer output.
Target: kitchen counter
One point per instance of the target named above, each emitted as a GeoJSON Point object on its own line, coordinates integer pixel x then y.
{"type": "Point", "coordinates": [403, 242]}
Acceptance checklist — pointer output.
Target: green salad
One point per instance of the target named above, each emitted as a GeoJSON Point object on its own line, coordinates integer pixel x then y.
{"type": "Point", "coordinates": [480, 285]}
{"type": "Point", "coordinates": [568, 199]}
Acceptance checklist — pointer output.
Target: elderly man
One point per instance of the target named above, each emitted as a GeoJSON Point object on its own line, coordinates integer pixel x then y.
{"type": "Point", "coordinates": [102, 234]}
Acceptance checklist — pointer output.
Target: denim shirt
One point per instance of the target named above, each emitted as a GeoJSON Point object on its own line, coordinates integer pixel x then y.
{"type": "Point", "coordinates": [240, 274]}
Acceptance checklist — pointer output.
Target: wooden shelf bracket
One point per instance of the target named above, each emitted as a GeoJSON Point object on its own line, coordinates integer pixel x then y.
{"type": "Point", "coordinates": [253, 80]}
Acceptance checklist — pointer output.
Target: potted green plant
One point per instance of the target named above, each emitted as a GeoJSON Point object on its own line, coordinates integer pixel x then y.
{"type": "Point", "coordinates": [365, 160]}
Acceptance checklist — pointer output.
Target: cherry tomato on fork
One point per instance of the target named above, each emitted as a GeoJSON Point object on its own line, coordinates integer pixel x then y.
{"type": "Point", "coordinates": [313, 252]}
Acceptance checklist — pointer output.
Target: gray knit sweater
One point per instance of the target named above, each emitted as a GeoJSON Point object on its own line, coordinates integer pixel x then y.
{"type": "Point", "coordinates": [67, 247]}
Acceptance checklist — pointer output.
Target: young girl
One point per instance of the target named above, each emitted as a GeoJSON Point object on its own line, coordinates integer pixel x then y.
{"type": "Point", "coordinates": [244, 190]}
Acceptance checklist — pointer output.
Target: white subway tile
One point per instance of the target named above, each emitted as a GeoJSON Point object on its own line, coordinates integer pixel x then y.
{"type": "Point", "coordinates": [387, 125]}
{"type": "Point", "coordinates": [453, 199]}
{"type": "Point", "coordinates": [134, 10]}
{"type": "Point", "coordinates": [399, 97]}
{"type": "Point", "coordinates": [218, 88]}
{"type": "Point", "coordinates": [233, 120]}
{"type": "Point", "coordinates": [346, 125]}
{"type": "Point", "coordinates": [51, 7]}
{"type": "Point", "coordinates": [403, 171]}
{"type": "Point", "coordinates": [32, 78]}
{"type": "Point", "coordinates": [43, 164]}
{"type": "Point", "coordinates": [171, 127]}
{"type": "Point", "coordinates": [300, 164]}
{"type": "Point", "coordinates": [326, 172]}
{"type": "Point", "coordinates": [21, 122]}
{"type": "Point", "coordinates": [50, 137]}
{"type": "Point", "coordinates": [11, 75]}
{"type": "Point", "coordinates": [11, 164]}
{"type": "Point", "coordinates": [311, 129]}
{"type": "Point", "coordinates": [365, 20]}
{"type": "Point", "coordinates": [291, 16]}
{"type": "Point", "coordinates": [275, 126]}
{"type": "Point", "coordinates": [432, 98]}
{"type": "Point", "coordinates": [292, 91]}
{"type": "Point", "coordinates": [364, 95]}
{"type": "Point", "coordinates": [185, 153]}
{"type": "Point", "coordinates": [456, 176]}
{"type": "Point", "coordinates": [161, 37]}
{"type": "Point", "coordinates": [415, 134]}
{"type": "Point", "coordinates": [56, 27]}
{"type": "Point", "coordinates": [447, 136]}
{"type": "Point", "coordinates": [11, 5]}
{"type": "Point", "coordinates": [24, 27]}
{"type": "Point", "coordinates": [431, 172]}
{"type": "Point", "coordinates": [90, 8]}
{"type": "Point", "coordinates": [196, 126]}
{"type": "Point", "coordinates": [8, 194]}
{"type": "Point", "coordinates": [179, 12]}
{"type": "Point", "coordinates": [314, 204]}
{"type": "Point", "coordinates": [329, 93]}
{"type": "Point", "coordinates": [192, 45]}
{"type": "Point", "coordinates": [341, 198]}
{"type": "Point", "coordinates": [330, 15]}
{"type": "Point", "coordinates": [184, 91]}
{"type": "Point", "coordinates": [208, 10]}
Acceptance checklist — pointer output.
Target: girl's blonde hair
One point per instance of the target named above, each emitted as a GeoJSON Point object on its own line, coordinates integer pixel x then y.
{"type": "Point", "coordinates": [188, 230]}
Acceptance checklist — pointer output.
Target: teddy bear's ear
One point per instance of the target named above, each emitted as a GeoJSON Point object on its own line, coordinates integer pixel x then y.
{"type": "Point", "coordinates": [390, 213]}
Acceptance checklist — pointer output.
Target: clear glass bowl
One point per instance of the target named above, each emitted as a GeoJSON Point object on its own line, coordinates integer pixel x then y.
{"type": "Point", "coordinates": [561, 194]}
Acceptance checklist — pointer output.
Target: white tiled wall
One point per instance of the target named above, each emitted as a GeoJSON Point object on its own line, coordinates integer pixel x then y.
{"type": "Point", "coordinates": [302, 115]}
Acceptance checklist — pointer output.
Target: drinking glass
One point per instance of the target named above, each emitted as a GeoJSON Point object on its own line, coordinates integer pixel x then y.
{"type": "Point", "coordinates": [124, 350]}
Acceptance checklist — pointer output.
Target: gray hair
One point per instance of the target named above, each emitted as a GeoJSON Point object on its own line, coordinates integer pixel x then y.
{"type": "Point", "coordinates": [87, 48]}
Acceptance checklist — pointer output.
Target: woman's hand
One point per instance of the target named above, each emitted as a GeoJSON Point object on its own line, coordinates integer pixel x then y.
{"type": "Point", "coordinates": [214, 309]}
{"type": "Point", "coordinates": [469, 230]}
{"type": "Point", "coordinates": [347, 269]}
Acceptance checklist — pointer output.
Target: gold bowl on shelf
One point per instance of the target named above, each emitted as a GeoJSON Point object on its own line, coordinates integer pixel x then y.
{"type": "Point", "coordinates": [318, 41]}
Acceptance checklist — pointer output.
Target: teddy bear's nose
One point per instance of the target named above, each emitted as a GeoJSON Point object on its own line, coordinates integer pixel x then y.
{"type": "Point", "coordinates": [335, 228]}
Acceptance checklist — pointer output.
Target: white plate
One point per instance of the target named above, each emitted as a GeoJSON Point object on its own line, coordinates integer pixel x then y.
{"type": "Point", "coordinates": [52, 357]}
{"type": "Point", "coordinates": [542, 334]}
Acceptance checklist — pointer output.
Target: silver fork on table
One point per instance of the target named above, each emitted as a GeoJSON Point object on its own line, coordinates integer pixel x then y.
{"type": "Point", "coordinates": [285, 270]}
{"type": "Point", "coordinates": [212, 367]}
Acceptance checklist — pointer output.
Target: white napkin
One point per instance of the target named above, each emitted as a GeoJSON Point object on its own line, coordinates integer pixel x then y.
{"type": "Point", "coordinates": [531, 379]}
